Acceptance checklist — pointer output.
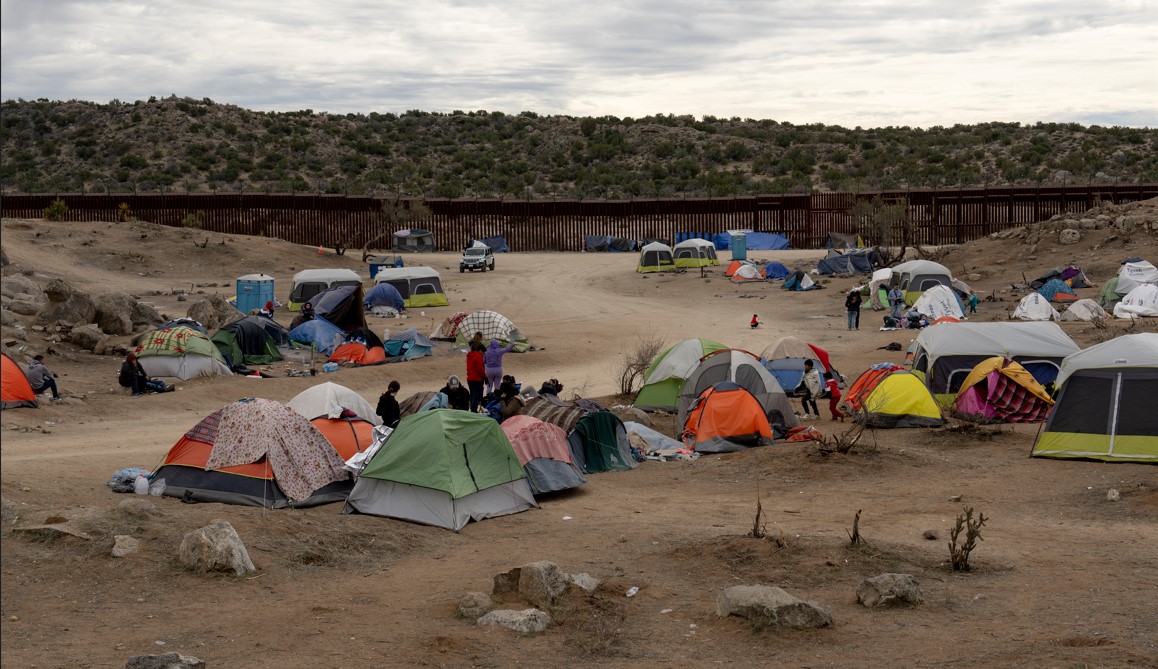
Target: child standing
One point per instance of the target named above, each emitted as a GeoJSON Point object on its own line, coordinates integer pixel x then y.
{"type": "Point", "coordinates": [833, 389]}
{"type": "Point", "coordinates": [973, 301]}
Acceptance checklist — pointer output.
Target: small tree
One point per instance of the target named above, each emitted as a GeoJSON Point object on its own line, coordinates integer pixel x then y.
{"type": "Point", "coordinates": [56, 210]}
{"type": "Point", "coordinates": [885, 224]}
{"type": "Point", "coordinates": [636, 361]}
{"type": "Point", "coordinates": [393, 213]}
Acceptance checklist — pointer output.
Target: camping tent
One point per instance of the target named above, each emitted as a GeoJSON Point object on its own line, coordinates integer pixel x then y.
{"type": "Point", "coordinates": [744, 369]}
{"type": "Point", "coordinates": [1056, 290]}
{"type": "Point", "coordinates": [1035, 307]}
{"type": "Point", "coordinates": [407, 345]}
{"type": "Point", "coordinates": [726, 418]}
{"type": "Point", "coordinates": [310, 282]}
{"type": "Point", "coordinates": [383, 295]}
{"type": "Point", "coordinates": [599, 444]}
{"type": "Point", "coordinates": [837, 240]}
{"type": "Point", "coordinates": [691, 253]}
{"type": "Point", "coordinates": [655, 257]}
{"type": "Point", "coordinates": [939, 302]}
{"type": "Point", "coordinates": [560, 413]}
{"type": "Point", "coordinates": [342, 306]}
{"type": "Point", "coordinates": [180, 352]}
{"type": "Point", "coordinates": [255, 452]}
{"type": "Point", "coordinates": [1134, 274]}
{"type": "Point", "coordinates": [445, 468]}
{"type": "Point", "coordinates": [709, 249]}
{"type": "Point", "coordinates": [1108, 296]}
{"type": "Point", "coordinates": [879, 287]}
{"type": "Point", "coordinates": [766, 241]}
{"type": "Point", "coordinates": [414, 241]}
{"type": "Point", "coordinates": [460, 328]}
{"type": "Point", "coordinates": [15, 392]}
{"type": "Point", "coordinates": [747, 273]}
{"type": "Point", "coordinates": [319, 334]}
{"type": "Point", "coordinates": [331, 400]}
{"type": "Point", "coordinates": [849, 262]}
{"type": "Point", "coordinates": [665, 377]}
{"type": "Point", "coordinates": [1084, 310]}
{"type": "Point", "coordinates": [1071, 275]}
{"type": "Point", "coordinates": [775, 270]}
{"type": "Point", "coordinates": [886, 395]}
{"type": "Point", "coordinates": [275, 330]}
{"type": "Point", "coordinates": [419, 286]}
{"type": "Point", "coordinates": [785, 357]}
{"type": "Point", "coordinates": [359, 347]}
{"type": "Point", "coordinates": [544, 452]}
{"type": "Point", "coordinates": [945, 354]}
{"type": "Point", "coordinates": [246, 342]}
{"type": "Point", "coordinates": [999, 390]}
{"type": "Point", "coordinates": [735, 266]}
{"type": "Point", "coordinates": [799, 280]}
{"type": "Point", "coordinates": [917, 276]}
{"type": "Point", "coordinates": [1105, 403]}
{"type": "Point", "coordinates": [1142, 301]}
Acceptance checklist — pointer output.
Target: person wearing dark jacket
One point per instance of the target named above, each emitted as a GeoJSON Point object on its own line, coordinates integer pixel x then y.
{"type": "Point", "coordinates": [852, 304]}
{"type": "Point", "coordinates": [388, 409]}
{"type": "Point", "coordinates": [551, 387]}
{"type": "Point", "coordinates": [456, 396]}
{"type": "Point", "coordinates": [133, 376]}
{"type": "Point", "coordinates": [306, 315]}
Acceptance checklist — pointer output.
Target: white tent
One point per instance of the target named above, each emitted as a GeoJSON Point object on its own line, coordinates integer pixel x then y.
{"type": "Point", "coordinates": [329, 400]}
{"type": "Point", "coordinates": [1034, 307]}
{"type": "Point", "coordinates": [1134, 274]}
{"type": "Point", "coordinates": [1084, 309]}
{"type": "Point", "coordinates": [1142, 301]}
{"type": "Point", "coordinates": [938, 302]}
{"type": "Point", "coordinates": [880, 278]}
{"type": "Point", "coordinates": [747, 273]}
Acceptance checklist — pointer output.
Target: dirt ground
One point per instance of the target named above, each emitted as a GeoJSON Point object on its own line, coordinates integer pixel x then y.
{"type": "Point", "coordinates": [1064, 578]}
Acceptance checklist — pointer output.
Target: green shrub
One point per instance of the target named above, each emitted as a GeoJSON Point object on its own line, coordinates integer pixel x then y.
{"type": "Point", "coordinates": [194, 220]}
{"type": "Point", "coordinates": [56, 210]}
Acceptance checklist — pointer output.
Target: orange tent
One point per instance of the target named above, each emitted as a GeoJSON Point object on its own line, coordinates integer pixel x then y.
{"type": "Point", "coordinates": [14, 386]}
{"type": "Point", "coordinates": [358, 353]}
{"type": "Point", "coordinates": [735, 265]}
{"type": "Point", "coordinates": [726, 418]}
{"type": "Point", "coordinates": [347, 435]}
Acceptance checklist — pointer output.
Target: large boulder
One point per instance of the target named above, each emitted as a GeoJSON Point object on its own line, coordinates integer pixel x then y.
{"type": "Point", "coordinates": [114, 313]}
{"type": "Point", "coordinates": [541, 583]}
{"type": "Point", "coordinates": [18, 286]}
{"type": "Point", "coordinates": [889, 590]}
{"type": "Point", "coordinates": [23, 307]}
{"type": "Point", "coordinates": [213, 312]}
{"type": "Point", "coordinates": [530, 621]}
{"type": "Point", "coordinates": [58, 290]}
{"type": "Point", "coordinates": [89, 337]}
{"type": "Point", "coordinates": [768, 606]}
{"type": "Point", "coordinates": [76, 309]}
{"type": "Point", "coordinates": [145, 315]}
{"type": "Point", "coordinates": [474, 605]}
{"type": "Point", "coordinates": [164, 661]}
{"type": "Point", "coordinates": [215, 547]}
{"type": "Point", "coordinates": [1069, 236]}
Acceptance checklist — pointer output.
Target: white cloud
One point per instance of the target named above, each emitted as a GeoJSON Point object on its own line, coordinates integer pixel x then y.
{"type": "Point", "coordinates": [853, 63]}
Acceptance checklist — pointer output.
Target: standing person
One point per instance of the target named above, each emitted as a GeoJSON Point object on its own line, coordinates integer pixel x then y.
{"type": "Point", "coordinates": [973, 301]}
{"type": "Point", "coordinates": [810, 383]}
{"type": "Point", "coordinates": [833, 389]}
{"type": "Point", "coordinates": [896, 300]}
{"type": "Point", "coordinates": [755, 321]}
{"type": "Point", "coordinates": [493, 359]}
{"type": "Point", "coordinates": [388, 409]}
{"type": "Point", "coordinates": [475, 374]}
{"type": "Point", "coordinates": [457, 397]}
{"type": "Point", "coordinates": [852, 304]}
{"type": "Point", "coordinates": [40, 378]}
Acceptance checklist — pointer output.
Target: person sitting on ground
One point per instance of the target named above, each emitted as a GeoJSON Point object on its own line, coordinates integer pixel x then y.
{"type": "Point", "coordinates": [510, 402]}
{"type": "Point", "coordinates": [551, 387]}
{"type": "Point", "coordinates": [267, 310]}
{"type": "Point", "coordinates": [914, 320]}
{"type": "Point", "coordinates": [388, 409]}
{"type": "Point", "coordinates": [40, 378]}
{"type": "Point", "coordinates": [133, 376]}
{"type": "Point", "coordinates": [306, 316]}
{"type": "Point", "coordinates": [457, 396]}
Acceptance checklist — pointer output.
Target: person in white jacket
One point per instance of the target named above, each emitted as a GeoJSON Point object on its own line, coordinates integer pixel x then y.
{"type": "Point", "coordinates": [810, 383]}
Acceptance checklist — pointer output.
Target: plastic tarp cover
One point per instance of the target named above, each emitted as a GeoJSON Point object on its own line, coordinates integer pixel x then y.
{"type": "Point", "coordinates": [940, 301]}
{"type": "Point", "coordinates": [767, 241]}
{"type": "Point", "coordinates": [498, 244]}
{"type": "Point", "coordinates": [1142, 301]}
{"type": "Point", "coordinates": [1035, 307]}
{"type": "Point", "coordinates": [1133, 274]}
{"type": "Point", "coordinates": [319, 333]}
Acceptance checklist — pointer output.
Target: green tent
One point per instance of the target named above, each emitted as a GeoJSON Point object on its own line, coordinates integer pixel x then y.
{"type": "Point", "coordinates": [181, 352]}
{"type": "Point", "coordinates": [246, 342]}
{"type": "Point", "coordinates": [1109, 296]}
{"type": "Point", "coordinates": [664, 379]}
{"type": "Point", "coordinates": [599, 444]}
{"type": "Point", "coordinates": [443, 467]}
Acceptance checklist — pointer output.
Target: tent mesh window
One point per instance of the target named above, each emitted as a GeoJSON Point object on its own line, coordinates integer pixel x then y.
{"type": "Point", "coordinates": [1136, 411]}
{"type": "Point", "coordinates": [1087, 400]}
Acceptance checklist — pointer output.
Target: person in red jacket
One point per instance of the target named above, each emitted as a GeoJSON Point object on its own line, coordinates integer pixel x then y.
{"type": "Point", "coordinates": [476, 374]}
{"type": "Point", "coordinates": [833, 389]}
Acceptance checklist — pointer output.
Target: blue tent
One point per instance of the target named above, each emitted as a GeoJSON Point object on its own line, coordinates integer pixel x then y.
{"type": "Point", "coordinates": [319, 333]}
{"type": "Point", "coordinates": [407, 345]}
{"type": "Point", "coordinates": [853, 262]}
{"type": "Point", "coordinates": [776, 270]}
{"type": "Point", "coordinates": [383, 294]}
{"type": "Point", "coordinates": [497, 244]}
{"type": "Point", "coordinates": [1054, 286]}
{"type": "Point", "coordinates": [799, 281]}
{"type": "Point", "coordinates": [766, 241]}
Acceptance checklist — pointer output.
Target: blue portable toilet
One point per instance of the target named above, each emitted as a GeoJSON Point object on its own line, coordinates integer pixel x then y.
{"type": "Point", "coordinates": [739, 247]}
{"type": "Point", "coordinates": [253, 291]}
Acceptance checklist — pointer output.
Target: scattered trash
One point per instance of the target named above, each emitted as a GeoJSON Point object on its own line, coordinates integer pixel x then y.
{"type": "Point", "coordinates": [666, 610]}
{"type": "Point", "coordinates": [633, 591]}
{"type": "Point", "coordinates": [566, 517]}
{"type": "Point", "coordinates": [1112, 495]}
{"type": "Point", "coordinates": [330, 367]}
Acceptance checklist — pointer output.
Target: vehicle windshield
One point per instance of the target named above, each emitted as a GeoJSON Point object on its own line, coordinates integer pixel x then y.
{"type": "Point", "coordinates": [476, 252]}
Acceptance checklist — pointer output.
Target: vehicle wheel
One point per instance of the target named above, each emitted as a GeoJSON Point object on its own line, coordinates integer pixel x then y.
{"type": "Point", "coordinates": [461, 270]}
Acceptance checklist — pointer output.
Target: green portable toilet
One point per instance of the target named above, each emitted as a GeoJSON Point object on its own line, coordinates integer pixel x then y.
{"type": "Point", "coordinates": [739, 247]}
{"type": "Point", "coordinates": [253, 291]}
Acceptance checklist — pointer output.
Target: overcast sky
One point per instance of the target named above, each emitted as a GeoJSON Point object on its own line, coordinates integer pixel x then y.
{"type": "Point", "coordinates": [868, 63]}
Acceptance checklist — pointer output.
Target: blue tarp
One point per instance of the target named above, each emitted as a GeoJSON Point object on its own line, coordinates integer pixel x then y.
{"type": "Point", "coordinates": [319, 333]}
{"type": "Point", "coordinates": [1053, 287]}
{"type": "Point", "coordinates": [776, 270]}
{"type": "Point", "coordinates": [497, 244]}
{"type": "Point", "coordinates": [848, 263]}
{"type": "Point", "coordinates": [407, 345]}
{"type": "Point", "coordinates": [766, 241]}
{"type": "Point", "coordinates": [383, 294]}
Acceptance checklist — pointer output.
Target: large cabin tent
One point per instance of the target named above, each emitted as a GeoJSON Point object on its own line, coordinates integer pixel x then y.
{"type": "Point", "coordinates": [419, 286]}
{"type": "Point", "coordinates": [310, 282]}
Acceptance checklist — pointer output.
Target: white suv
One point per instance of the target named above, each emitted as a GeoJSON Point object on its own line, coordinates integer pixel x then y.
{"type": "Point", "coordinates": [477, 257]}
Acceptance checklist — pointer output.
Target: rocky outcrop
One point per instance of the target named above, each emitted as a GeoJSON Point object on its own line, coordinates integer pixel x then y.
{"type": "Point", "coordinates": [213, 312]}
{"type": "Point", "coordinates": [114, 313]}
{"type": "Point", "coordinates": [771, 607]}
{"type": "Point", "coordinates": [215, 547]}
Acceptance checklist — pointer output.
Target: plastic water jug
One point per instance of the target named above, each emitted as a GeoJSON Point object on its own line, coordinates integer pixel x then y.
{"type": "Point", "coordinates": [141, 485]}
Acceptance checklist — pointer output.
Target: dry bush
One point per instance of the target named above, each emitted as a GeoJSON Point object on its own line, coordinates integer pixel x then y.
{"type": "Point", "coordinates": [635, 362]}
{"type": "Point", "coordinates": [959, 553]}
